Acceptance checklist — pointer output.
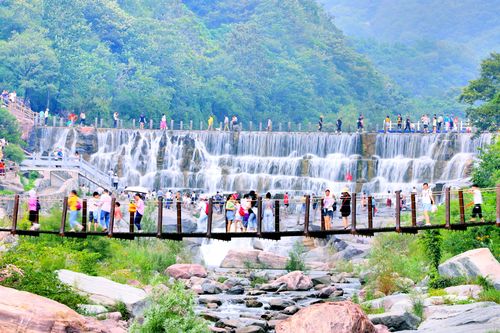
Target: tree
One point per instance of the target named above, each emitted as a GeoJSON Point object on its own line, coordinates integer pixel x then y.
{"type": "Point", "coordinates": [483, 95]}
{"type": "Point", "coordinates": [487, 172]}
{"type": "Point", "coordinates": [9, 130]}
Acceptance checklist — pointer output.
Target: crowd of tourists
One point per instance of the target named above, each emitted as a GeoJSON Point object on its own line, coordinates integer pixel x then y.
{"type": "Point", "coordinates": [239, 210]}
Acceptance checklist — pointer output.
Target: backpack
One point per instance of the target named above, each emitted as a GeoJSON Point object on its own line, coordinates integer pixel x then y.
{"type": "Point", "coordinates": [78, 205]}
{"type": "Point", "coordinates": [206, 208]}
{"type": "Point", "coordinates": [241, 211]}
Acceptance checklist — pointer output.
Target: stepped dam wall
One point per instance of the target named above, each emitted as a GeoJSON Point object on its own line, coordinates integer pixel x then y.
{"type": "Point", "coordinates": [276, 162]}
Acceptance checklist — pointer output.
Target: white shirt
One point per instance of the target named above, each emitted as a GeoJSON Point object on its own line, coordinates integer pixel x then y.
{"type": "Point", "coordinates": [426, 196]}
{"type": "Point", "coordinates": [93, 205]}
{"type": "Point", "coordinates": [203, 207]}
{"type": "Point", "coordinates": [105, 202]}
{"type": "Point", "coordinates": [478, 197]}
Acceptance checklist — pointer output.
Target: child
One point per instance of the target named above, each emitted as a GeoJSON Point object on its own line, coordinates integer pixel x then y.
{"type": "Point", "coordinates": [477, 202]}
{"type": "Point", "coordinates": [238, 216]}
{"type": "Point", "coordinates": [93, 211]}
{"type": "Point", "coordinates": [118, 216]}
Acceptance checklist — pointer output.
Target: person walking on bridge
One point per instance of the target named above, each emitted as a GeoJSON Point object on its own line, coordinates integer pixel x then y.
{"type": "Point", "coordinates": [320, 124]}
{"type": "Point", "coordinates": [139, 204]}
{"type": "Point", "coordinates": [105, 205]}
{"type": "Point", "coordinates": [46, 116]}
{"type": "Point", "coordinates": [74, 206]}
{"type": "Point", "coordinates": [93, 209]}
{"type": "Point", "coordinates": [203, 211]}
{"type": "Point", "coordinates": [163, 122]}
{"type": "Point", "coordinates": [34, 210]}
{"type": "Point", "coordinates": [268, 208]}
{"type": "Point", "coordinates": [400, 122]}
{"type": "Point", "coordinates": [328, 208]}
{"type": "Point", "coordinates": [210, 123]}
{"type": "Point", "coordinates": [269, 125]}
{"type": "Point", "coordinates": [427, 202]}
{"type": "Point", "coordinates": [339, 125]}
{"type": "Point", "coordinates": [142, 121]}
{"type": "Point", "coordinates": [477, 201]}
{"type": "Point", "coordinates": [345, 206]}
{"type": "Point", "coordinates": [82, 118]}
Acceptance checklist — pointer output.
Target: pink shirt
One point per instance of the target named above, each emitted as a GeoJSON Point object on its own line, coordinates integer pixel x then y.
{"type": "Point", "coordinates": [32, 204]}
{"type": "Point", "coordinates": [140, 206]}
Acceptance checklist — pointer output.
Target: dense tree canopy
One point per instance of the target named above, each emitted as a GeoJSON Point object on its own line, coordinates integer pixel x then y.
{"type": "Point", "coordinates": [188, 59]}
{"type": "Point", "coordinates": [429, 48]}
{"type": "Point", "coordinates": [483, 95]}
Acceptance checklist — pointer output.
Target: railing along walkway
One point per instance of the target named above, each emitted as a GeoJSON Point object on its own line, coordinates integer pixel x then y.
{"type": "Point", "coordinates": [307, 227]}
{"type": "Point", "coordinates": [83, 168]}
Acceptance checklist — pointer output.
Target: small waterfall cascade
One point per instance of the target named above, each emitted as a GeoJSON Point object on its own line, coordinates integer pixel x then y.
{"type": "Point", "coordinates": [276, 162]}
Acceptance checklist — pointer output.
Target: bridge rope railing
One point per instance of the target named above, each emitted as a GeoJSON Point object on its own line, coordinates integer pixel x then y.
{"type": "Point", "coordinates": [178, 219]}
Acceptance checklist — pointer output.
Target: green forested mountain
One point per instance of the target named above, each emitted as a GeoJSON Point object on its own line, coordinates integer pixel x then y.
{"type": "Point", "coordinates": [254, 58]}
{"type": "Point", "coordinates": [470, 22]}
{"type": "Point", "coordinates": [430, 48]}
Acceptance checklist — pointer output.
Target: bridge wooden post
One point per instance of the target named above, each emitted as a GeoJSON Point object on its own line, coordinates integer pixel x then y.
{"type": "Point", "coordinates": [353, 211]}
{"type": "Point", "coordinates": [322, 215]}
{"type": "Point", "coordinates": [259, 217]}
{"type": "Point", "coordinates": [159, 222]}
{"type": "Point", "coordinates": [179, 217]}
{"type": "Point", "coordinates": [112, 217]}
{"type": "Point", "coordinates": [15, 214]}
{"type": "Point", "coordinates": [413, 208]}
{"type": "Point", "coordinates": [210, 217]}
{"type": "Point", "coordinates": [63, 217]}
{"type": "Point", "coordinates": [131, 222]}
{"type": "Point", "coordinates": [461, 206]}
{"type": "Point", "coordinates": [277, 216]}
{"type": "Point", "coordinates": [370, 212]}
{"type": "Point", "coordinates": [84, 214]}
{"type": "Point", "coordinates": [398, 211]}
{"type": "Point", "coordinates": [447, 207]}
{"type": "Point", "coordinates": [306, 215]}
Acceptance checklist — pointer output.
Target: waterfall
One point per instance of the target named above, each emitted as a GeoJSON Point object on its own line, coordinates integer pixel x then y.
{"type": "Point", "coordinates": [276, 162]}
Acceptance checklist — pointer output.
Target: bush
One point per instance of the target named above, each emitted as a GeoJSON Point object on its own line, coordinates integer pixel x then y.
{"type": "Point", "coordinates": [295, 260]}
{"type": "Point", "coordinates": [45, 284]}
{"type": "Point", "coordinates": [395, 253]}
{"type": "Point", "coordinates": [441, 282]}
{"type": "Point", "coordinates": [490, 295]}
{"type": "Point", "coordinates": [171, 312]}
{"type": "Point", "coordinates": [431, 240]}
{"type": "Point", "coordinates": [13, 152]}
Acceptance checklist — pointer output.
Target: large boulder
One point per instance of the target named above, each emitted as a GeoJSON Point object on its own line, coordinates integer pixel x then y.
{"type": "Point", "coordinates": [21, 311]}
{"type": "Point", "coordinates": [467, 290]}
{"type": "Point", "coordinates": [471, 264]}
{"type": "Point", "coordinates": [186, 271]}
{"type": "Point", "coordinates": [465, 318]}
{"type": "Point", "coordinates": [105, 292]}
{"type": "Point", "coordinates": [292, 281]}
{"type": "Point", "coordinates": [330, 317]}
{"type": "Point", "coordinates": [253, 259]}
{"type": "Point", "coordinates": [388, 303]}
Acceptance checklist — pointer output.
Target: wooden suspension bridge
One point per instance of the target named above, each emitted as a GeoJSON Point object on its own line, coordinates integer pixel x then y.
{"type": "Point", "coordinates": [308, 230]}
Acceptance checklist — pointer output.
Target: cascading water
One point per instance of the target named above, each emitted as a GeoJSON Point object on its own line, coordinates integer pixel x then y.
{"type": "Point", "coordinates": [276, 162]}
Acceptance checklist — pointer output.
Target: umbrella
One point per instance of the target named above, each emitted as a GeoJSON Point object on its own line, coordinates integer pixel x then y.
{"type": "Point", "coordinates": [137, 189]}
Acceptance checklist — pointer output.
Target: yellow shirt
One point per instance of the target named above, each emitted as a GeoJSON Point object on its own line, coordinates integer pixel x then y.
{"type": "Point", "coordinates": [72, 202]}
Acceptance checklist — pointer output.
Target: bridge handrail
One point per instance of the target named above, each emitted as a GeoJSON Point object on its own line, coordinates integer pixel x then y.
{"type": "Point", "coordinates": [83, 167]}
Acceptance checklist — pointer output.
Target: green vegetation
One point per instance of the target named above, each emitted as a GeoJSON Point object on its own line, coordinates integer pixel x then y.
{"type": "Point", "coordinates": [9, 130]}
{"type": "Point", "coordinates": [295, 260]}
{"type": "Point", "coordinates": [171, 312]}
{"type": "Point", "coordinates": [368, 309]}
{"type": "Point", "coordinates": [257, 280]}
{"type": "Point", "coordinates": [487, 174]}
{"type": "Point", "coordinates": [121, 261]}
{"type": "Point", "coordinates": [483, 95]}
{"type": "Point", "coordinates": [187, 59]}
{"type": "Point", "coordinates": [29, 181]}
